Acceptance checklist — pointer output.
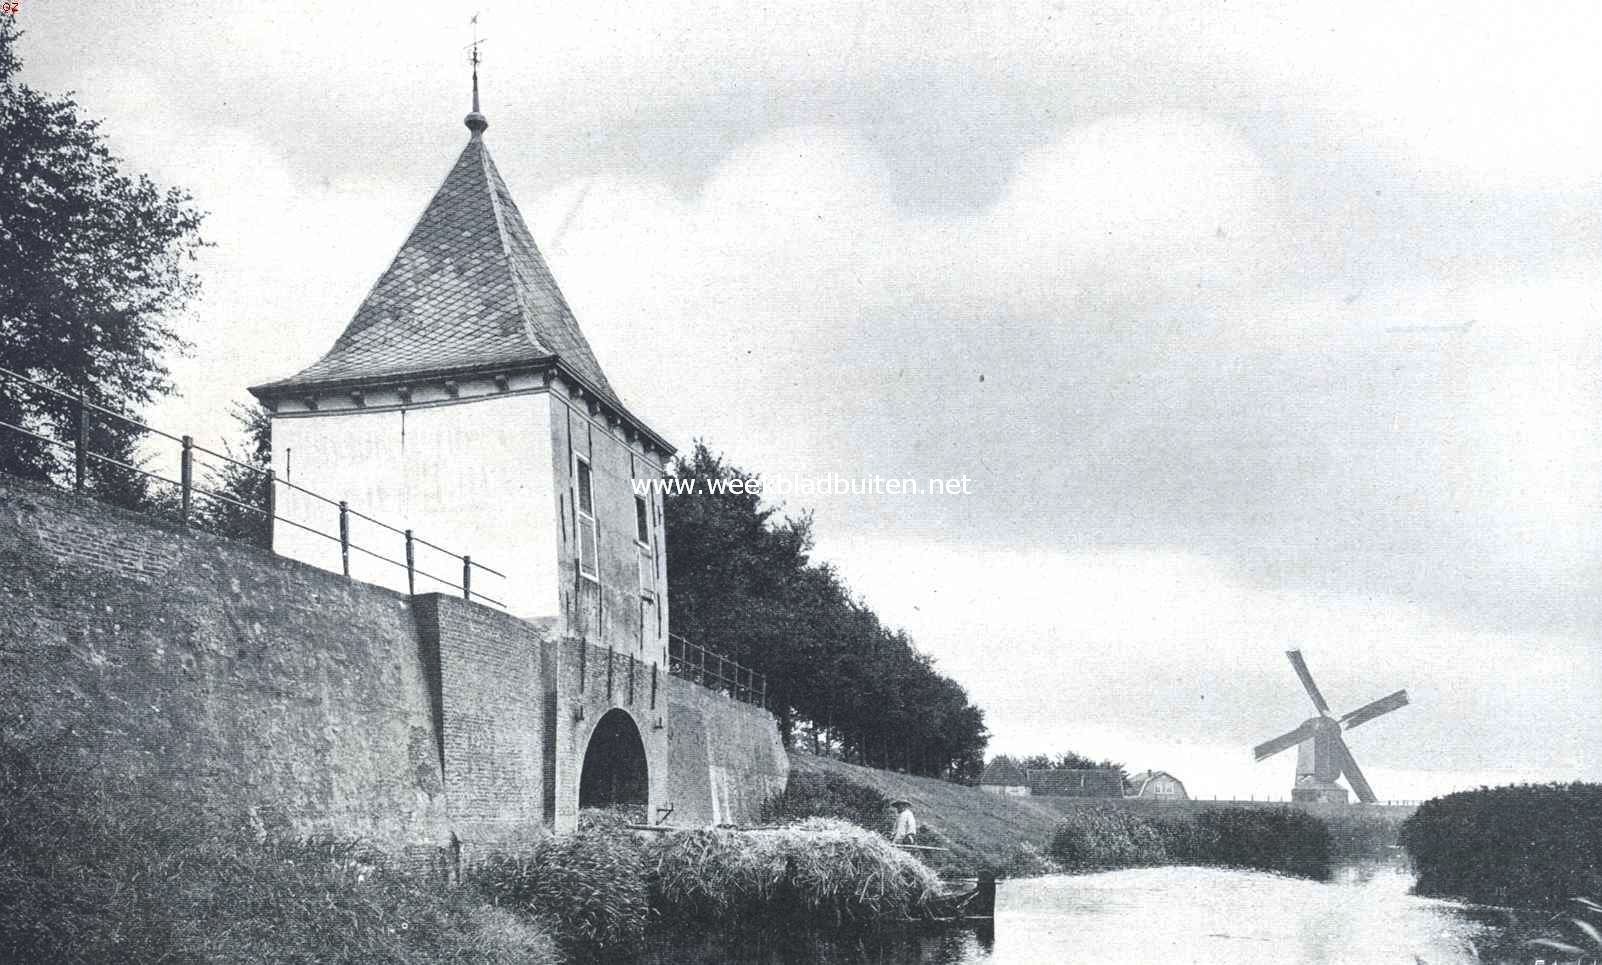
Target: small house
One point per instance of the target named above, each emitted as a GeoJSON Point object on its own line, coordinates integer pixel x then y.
{"type": "Point", "coordinates": [1003, 776]}
{"type": "Point", "coordinates": [1160, 785]}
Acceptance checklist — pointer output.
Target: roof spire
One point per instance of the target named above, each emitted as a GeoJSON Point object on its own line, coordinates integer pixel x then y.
{"type": "Point", "coordinates": [475, 121]}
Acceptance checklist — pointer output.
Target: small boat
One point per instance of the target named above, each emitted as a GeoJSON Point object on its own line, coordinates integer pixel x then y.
{"type": "Point", "coordinates": [964, 899]}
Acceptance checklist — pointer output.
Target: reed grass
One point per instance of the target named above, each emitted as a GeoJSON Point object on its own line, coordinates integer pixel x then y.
{"type": "Point", "coordinates": [588, 888]}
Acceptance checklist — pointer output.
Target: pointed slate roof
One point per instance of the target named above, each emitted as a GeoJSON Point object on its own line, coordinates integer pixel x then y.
{"type": "Point", "coordinates": [468, 290]}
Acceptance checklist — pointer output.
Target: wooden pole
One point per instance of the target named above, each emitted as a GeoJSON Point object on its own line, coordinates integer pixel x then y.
{"type": "Point", "coordinates": [344, 537]}
{"type": "Point", "coordinates": [411, 566]}
{"type": "Point", "coordinates": [80, 448]}
{"type": "Point", "coordinates": [271, 499]}
{"type": "Point", "coordinates": [186, 476]}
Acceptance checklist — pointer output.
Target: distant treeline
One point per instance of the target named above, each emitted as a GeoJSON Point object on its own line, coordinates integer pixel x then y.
{"type": "Point", "coordinates": [1526, 845]}
{"type": "Point", "coordinates": [839, 680]}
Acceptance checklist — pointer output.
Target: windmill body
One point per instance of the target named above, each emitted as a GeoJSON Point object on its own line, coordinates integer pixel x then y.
{"type": "Point", "coordinates": [1322, 756]}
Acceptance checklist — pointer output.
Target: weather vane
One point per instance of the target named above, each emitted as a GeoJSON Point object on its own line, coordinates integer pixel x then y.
{"type": "Point", "coordinates": [473, 58]}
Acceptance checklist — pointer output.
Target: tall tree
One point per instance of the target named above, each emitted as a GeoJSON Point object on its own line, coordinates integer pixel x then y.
{"type": "Point", "coordinates": [743, 585]}
{"type": "Point", "coordinates": [95, 264]}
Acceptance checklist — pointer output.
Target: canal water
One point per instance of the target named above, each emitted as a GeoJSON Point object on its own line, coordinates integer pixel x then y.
{"type": "Point", "coordinates": [1160, 915]}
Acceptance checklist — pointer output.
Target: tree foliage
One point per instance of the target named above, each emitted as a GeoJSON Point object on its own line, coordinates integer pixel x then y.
{"type": "Point", "coordinates": [244, 480]}
{"type": "Point", "coordinates": [96, 261]}
{"type": "Point", "coordinates": [743, 585]}
{"type": "Point", "coordinates": [1070, 760]}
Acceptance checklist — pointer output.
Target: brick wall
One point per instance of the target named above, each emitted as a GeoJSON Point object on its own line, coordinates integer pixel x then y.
{"type": "Point", "coordinates": [725, 756]}
{"type": "Point", "coordinates": [207, 668]}
{"type": "Point", "coordinates": [488, 686]}
{"type": "Point", "coordinates": [590, 681]}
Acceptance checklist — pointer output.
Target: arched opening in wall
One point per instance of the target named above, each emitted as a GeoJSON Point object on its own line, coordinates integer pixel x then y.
{"type": "Point", "coordinates": [615, 775]}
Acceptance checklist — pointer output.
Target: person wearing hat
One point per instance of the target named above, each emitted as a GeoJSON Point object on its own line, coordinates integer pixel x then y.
{"type": "Point", "coordinates": [906, 831]}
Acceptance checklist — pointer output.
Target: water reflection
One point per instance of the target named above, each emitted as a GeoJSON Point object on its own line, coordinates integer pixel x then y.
{"type": "Point", "coordinates": [1204, 915]}
{"type": "Point", "coordinates": [943, 946]}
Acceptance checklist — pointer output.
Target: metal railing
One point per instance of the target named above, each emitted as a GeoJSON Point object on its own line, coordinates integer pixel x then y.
{"type": "Point", "coordinates": [715, 672]}
{"type": "Point", "coordinates": [83, 411]}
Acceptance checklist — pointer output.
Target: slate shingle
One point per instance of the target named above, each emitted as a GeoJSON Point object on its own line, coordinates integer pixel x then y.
{"type": "Point", "coordinates": [469, 288]}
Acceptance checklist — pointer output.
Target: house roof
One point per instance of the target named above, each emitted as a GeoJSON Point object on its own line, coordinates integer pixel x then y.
{"type": "Point", "coordinates": [1139, 781]}
{"type": "Point", "coordinates": [469, 290]}
{"type": "Point", "coordinates": [1003, 772]}
{"type": "Point", "coordinates": [1076, 782]}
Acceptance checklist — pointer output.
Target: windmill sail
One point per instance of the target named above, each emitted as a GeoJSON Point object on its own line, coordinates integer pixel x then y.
{"type": "Point", "coordinates": [1368, 712]}
{"type": "Point", "coordinates": [1307, 680]}
{"type": "Point", "coordinates": [1291, 739]}
{"type": "Point", "coordinates": [1354, 774]}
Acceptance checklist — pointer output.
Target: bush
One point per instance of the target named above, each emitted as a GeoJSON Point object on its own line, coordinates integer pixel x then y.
{"type": "Point", "coordinates": [90, 874]}
{"type": "Point", "coordinates": [1107, 837]}
{"type": "Point", "coordinates": [821, 871]}
{"type": "Point", "coordinates": [589, 887]}
{"type": "Point", "coordinates": [1284, 840]}
{"type": "Point", "coordinates": [827, 795]}
{"type": "Point", "coordinates": [1527, 845]}
{"type": "Point", "coordinates": [1024, 860]}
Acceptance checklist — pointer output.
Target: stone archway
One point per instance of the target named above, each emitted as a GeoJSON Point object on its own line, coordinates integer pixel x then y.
{"type": "Point", "coordinates": [615, 773]}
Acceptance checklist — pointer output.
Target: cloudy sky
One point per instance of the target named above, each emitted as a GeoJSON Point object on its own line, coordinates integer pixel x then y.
{"type": "Point", "coordinates": [1254, 326]}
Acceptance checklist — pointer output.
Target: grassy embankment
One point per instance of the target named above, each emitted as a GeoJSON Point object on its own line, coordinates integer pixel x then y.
{"type": "Point", "coordinates": [1020, 836]}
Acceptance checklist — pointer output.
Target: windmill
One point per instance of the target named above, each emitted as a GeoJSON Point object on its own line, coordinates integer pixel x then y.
{"type": "Point", "coordinates": [1321, 754]}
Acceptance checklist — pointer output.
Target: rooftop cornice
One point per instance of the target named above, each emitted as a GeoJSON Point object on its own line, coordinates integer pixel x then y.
{"type": "Point", "coordinates": [603, 404]}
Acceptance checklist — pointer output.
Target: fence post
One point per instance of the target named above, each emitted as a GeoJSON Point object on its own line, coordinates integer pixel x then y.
{"type": "Point", "coordinates": [80, 446]}
{"type": "Point", "coordinates": [186, 475]}
{"type": "Point", "coordinates": [764, 692]}
{"type": "Point", "coordinates": [344, 536]}
{"type": "Point", "coordinates": [272, 504]}
{"type": "Point", "coordinates": [411, 566]}
{"type": "Point", "coordinates": [467, 577]}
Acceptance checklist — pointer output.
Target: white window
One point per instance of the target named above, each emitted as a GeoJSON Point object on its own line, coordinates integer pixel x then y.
{"type": "Point", "coordinates": [584, 499]}
{"type": "Point", "coordinates": [642, 540]}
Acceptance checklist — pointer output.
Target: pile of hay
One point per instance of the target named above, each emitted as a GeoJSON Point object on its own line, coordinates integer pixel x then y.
{"type": "Point", "coordinates": [821, 870]}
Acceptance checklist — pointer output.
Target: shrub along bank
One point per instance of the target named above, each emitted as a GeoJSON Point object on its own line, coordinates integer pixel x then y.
{"type": "Point", "coordinates": [1527, 845]}
{"type": "Point", "coordinates": [1282, 840]}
